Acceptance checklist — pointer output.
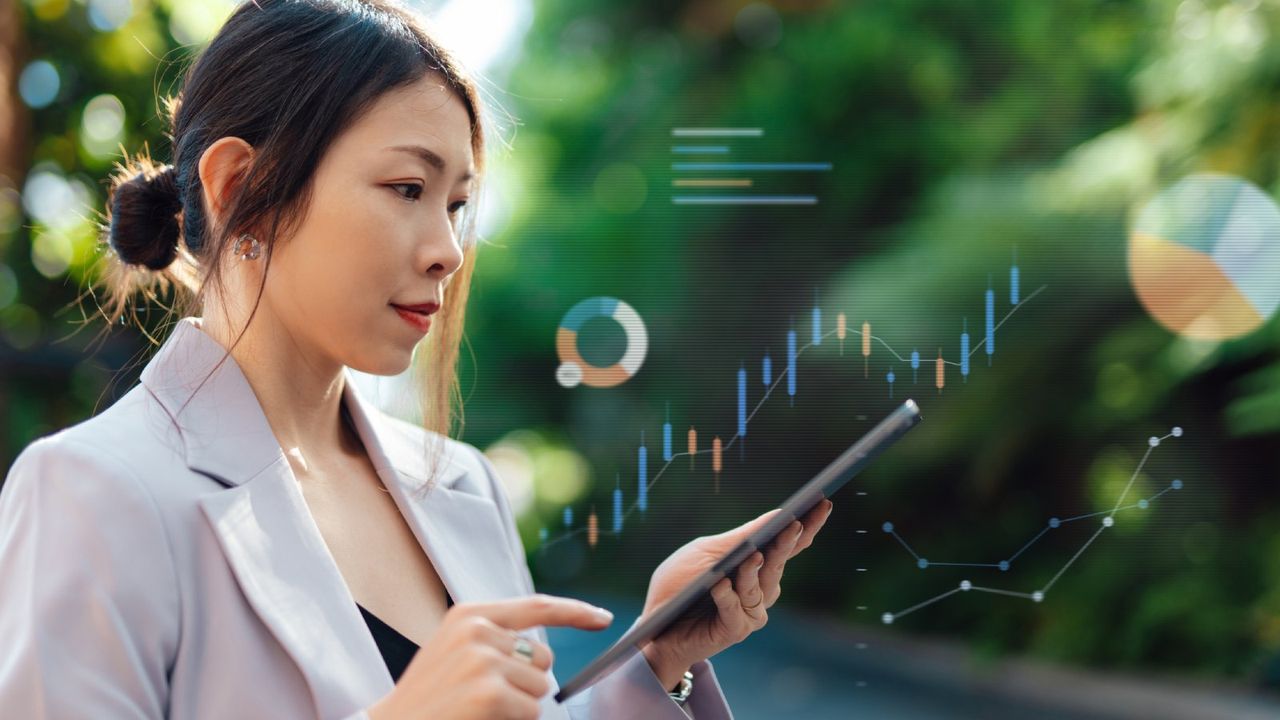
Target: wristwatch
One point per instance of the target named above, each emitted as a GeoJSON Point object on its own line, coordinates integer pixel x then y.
{"type": "Point", "coordinates": [681, 696]}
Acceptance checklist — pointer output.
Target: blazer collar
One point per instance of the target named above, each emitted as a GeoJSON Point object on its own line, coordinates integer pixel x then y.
{"type": "Point", "coordinates": [224, 432]}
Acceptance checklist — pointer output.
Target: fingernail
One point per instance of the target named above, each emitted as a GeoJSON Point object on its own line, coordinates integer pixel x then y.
{"type": "Point", "coordinates": [602, 614]}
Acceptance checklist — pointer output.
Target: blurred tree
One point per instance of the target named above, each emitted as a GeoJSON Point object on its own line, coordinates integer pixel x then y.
{"type": "Point", "coordinates": [13, 116]}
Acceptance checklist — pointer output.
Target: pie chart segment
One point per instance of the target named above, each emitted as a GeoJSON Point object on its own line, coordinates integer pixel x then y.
{"type": "Point", "coordinates": [1204, 257]}
{"type": "Point", "coordinates": [1187, 292]}
{"type": "Point", "coordinates": [1249, 252]}
{"type": "Point", "coordinates": [1189, 213]}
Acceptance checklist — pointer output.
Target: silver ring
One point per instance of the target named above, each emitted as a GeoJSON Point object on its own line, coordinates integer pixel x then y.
{"type": "Point", "coordinates": [523, 650]}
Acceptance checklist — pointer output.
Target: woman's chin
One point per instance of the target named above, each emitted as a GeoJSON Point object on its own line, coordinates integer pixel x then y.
{"type": "Point", "coordinates": [386, 364]}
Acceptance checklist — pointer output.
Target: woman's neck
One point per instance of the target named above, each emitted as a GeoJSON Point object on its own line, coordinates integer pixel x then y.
{"type": "Point", "coordinates": [299, 390]}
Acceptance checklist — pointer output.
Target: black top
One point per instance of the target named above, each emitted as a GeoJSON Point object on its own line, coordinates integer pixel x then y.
{"type": "Point", "coordinates": [396, 649]}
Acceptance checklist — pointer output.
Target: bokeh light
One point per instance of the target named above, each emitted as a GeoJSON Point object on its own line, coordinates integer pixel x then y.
{"type": "Point", "coordinates": [102, 124]}
{"type": "Point", "coordinates": [108, 15]}
{"type": "Point", "coordinates": [194, 23]}
{"type": "Point", "coordinates": [53, 200]}
{"type": "Point", "coordinates": [39, 84]}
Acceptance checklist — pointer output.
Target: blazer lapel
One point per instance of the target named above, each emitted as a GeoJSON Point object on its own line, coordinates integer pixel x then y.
{"type": "Point", "coordinates": [263, 526]}
{"type": "Point", "coordinates": [460, 529]}
{"type": "Point", "coordinates": [288, 576]}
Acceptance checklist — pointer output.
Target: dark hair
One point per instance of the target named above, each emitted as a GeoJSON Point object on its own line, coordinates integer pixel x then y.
{"type": "Point", "coordinates": [288, 77]}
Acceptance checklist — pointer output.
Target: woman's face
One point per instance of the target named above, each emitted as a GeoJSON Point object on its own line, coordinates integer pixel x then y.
{"type": "Point", "coordinates": [381, 232]}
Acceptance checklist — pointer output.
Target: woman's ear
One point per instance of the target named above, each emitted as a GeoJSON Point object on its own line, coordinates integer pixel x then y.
{"type": "Point", "coordinates": [222, 167]}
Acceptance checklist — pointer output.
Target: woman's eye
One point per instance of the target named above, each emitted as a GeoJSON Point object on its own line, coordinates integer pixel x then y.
{"type": "Point", "coordinates": [414, 192]}
{"type": "Point", "coordinates": [455, 207]}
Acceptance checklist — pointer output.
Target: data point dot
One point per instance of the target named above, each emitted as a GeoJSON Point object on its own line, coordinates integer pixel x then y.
{"type": "Point", "coordinates": [1054, 522]}
{"type": "Point", "coordinates": [1142, 504]}
{"type": "Point", "coordinates": [1037, 596]}
{"type": "Point", "coordinates": [1154, 441]}
{"type": "Point", "coordinates": [966, 585]}
{"type": "Point", "coordinates": [922, 563]}
{"type": "Point", "coordinates": [887, 527]}
{"type": "Point", "coordinates": [1177, 484]}
{"type": "Point", "coordinates": [1004, 565]}
{"type": "Point", "coordinates": [887, 618]}
{"type": "Point", "coordinates": [1176, 432]}
{"type": "Point", "coordinates": [1108, 521]}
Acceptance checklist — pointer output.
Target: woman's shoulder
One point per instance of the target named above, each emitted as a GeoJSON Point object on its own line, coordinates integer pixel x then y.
{"type": "Point", "coordinates": [83, 536]}
{"type": "Point", "coordinates": [109, 455]}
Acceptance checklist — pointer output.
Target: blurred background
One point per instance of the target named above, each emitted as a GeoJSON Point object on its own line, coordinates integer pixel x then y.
{"type": "Point", "coordinates": [734, 172]}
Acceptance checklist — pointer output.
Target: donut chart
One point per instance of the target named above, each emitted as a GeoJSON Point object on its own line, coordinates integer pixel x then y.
{"type": "Point", "coordinates": [1204, 257]}
{"type": "Point", "coordinates": [574, 370]}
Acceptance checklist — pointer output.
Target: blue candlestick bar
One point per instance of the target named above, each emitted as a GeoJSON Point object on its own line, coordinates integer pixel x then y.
{"type": "Point", "coordinates": [666, 436]}
{"type": "Point", "coordinates": [791, 365]}
{"type": "Point", "coordinates": [991, 323]}
{"type": "Point", "coordinates": [742, 402]}
{"type": "Point", "coordinates": [642, 491]}
{"type": "Point", "coordinates": [617, 508]}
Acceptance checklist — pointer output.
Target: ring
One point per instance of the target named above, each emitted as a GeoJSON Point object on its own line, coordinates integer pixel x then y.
{"type": "Point", "coordinates": [753, 607]}
{"type": "Point", "coordinates": [523, 650]}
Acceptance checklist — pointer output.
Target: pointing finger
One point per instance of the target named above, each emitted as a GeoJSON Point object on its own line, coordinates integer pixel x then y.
{"type": "Point", "coordinates": [539, 609]}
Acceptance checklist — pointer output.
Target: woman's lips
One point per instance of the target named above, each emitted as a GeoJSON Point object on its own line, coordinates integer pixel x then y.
{"type": "Point", "coordinates": [420, 319]}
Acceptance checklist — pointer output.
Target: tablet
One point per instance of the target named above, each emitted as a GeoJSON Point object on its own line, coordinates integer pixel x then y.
{"type": "Point", "coordinates": [695, 598]}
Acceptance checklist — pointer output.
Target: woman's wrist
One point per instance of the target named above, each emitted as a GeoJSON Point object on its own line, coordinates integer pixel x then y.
{"type": "Point", "coordinates": [669, 671]}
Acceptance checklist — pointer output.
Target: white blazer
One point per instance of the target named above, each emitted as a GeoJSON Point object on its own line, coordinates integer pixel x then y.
{"type": "Point", "coordinates": [148, 571]}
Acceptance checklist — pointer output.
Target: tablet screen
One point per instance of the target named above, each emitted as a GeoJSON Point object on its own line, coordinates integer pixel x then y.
{"type": "Point", "coordinates": [695, 597]}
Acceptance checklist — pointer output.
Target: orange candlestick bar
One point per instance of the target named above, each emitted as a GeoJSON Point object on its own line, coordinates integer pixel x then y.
{"type": "Point", "coordinates": [593, 528]}
{"type": "Point", "coordinates": [841, 330]}
{"type": "Point", "coordinates": [693, 446]}
{"type": "Point", "coordinates": [942, 373]}
{"type": "Point", "coordinates": [866, 347]}
{"type": "Point", "coordinates": [715, 460]}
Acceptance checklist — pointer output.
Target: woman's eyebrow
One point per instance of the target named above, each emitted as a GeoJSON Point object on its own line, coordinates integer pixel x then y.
{"type": "Point", "coordinates": [429, 157]}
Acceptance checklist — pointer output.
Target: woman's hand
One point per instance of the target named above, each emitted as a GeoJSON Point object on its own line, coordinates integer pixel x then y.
{"type": "Point", "coordinates": [469, 670]}
{"type": "Point", "coordinates": [741, 600]}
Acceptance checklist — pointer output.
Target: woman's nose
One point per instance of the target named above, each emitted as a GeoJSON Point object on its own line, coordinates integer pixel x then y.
{"type": "Point", "coordinates": [441, 251]}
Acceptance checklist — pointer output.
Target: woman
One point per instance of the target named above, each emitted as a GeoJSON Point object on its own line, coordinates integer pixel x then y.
{"type": "Point", "coordinates": [242, 535]}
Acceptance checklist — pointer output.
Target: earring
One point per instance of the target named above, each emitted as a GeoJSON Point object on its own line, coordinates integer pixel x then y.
{"type": "Point", "coordinates": [248, 247]}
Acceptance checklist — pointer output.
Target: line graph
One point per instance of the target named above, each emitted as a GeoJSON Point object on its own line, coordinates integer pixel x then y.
{"type": "Point", "coordinates": [717, 447]}
{"type": "Point", "coordinates": [1108, 521]}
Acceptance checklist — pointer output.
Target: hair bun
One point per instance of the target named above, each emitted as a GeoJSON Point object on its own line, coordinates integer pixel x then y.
{"type": "Point", "coordinates": [144, 218]}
